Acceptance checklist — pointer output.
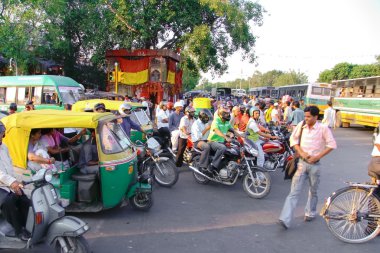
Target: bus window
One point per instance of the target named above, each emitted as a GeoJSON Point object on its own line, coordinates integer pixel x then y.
{"type": "Point", "coordinates": [49, 95]}
{"type": "Point", "coordinates": [11, 95]}
{"type": "Point", "coordinates": [326, 92]}
{"type": "Point", "coordinates": [22, 95]}
{"type": "Point", "coordinates": [36, 93]}
{"type": "Point", "coordinates": [2, 95]}
{"type": "Point", "coordinates": [316, 91]}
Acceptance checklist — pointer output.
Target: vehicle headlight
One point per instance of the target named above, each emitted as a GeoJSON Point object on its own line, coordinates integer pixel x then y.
{"type": "Point", "coordinates": [48, 176]}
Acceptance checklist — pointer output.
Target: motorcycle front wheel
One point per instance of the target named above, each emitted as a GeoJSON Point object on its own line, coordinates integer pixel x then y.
{"type": "Point", "coordinates": [259, 186]}
{"type": "Point", "coordinates": [74, 244]}
{"type": "Point", "coordinates": [142, 201]}
{"type": "Point", "coordinates": [165, 173]}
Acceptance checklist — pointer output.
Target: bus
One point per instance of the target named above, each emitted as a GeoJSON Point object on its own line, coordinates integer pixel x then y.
{"type": "Point", "coordinates": [46, 91]}
{"type": "Point", "coordinates": [263, 91]}
{"type": "Point", "coordinates": [357, 101]}
{"type": "Point", "coordinates": [317, 94]}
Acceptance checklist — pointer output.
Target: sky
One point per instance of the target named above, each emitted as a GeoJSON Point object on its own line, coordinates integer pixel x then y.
{"type": "Point", "coordinates": [310, 36]}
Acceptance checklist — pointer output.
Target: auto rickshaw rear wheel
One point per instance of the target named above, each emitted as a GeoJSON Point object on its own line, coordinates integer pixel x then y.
{"type": "Point", "coordinates": [141, 201]}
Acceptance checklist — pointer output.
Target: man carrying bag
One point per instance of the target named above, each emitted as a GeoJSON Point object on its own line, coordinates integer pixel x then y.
{"type": "Point", "coordinates": [316, 142]}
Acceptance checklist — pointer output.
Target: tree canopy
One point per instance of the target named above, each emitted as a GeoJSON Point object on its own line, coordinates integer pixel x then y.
{"type": "Point", "coordinates": [258, 79]}
{"type": "Point", "coordinates": [346, 70]}
{"type": "Point", "coordinates": [78, 32]}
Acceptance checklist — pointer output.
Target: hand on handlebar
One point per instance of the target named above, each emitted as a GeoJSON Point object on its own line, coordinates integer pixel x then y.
{"type": "Point", "coordinates": [16, 186]}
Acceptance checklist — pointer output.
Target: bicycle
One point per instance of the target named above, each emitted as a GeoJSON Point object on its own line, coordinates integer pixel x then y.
{"type": "Point", "coordinates": [352, 213]}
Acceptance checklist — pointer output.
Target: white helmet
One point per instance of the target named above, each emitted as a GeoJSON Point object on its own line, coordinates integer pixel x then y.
{"type": "Point", "coordinates": [124, 107]}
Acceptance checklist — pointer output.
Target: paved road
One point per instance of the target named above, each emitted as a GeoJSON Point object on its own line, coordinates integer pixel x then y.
{"type": "Point", "coordinates": [212, 218]}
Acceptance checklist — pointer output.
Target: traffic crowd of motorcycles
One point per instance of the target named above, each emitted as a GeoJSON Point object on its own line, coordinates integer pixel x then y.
{"type": "Point", "coordinates": [240, 157]}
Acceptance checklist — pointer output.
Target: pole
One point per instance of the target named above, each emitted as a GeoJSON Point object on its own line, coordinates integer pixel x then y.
{"type": "Point", "coordinates": [116, 77]}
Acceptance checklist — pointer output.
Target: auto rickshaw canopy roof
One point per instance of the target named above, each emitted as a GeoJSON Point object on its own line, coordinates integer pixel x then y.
{"type": "Point", "coordinates": [202, 103]}
{"type": "Point", "coordinates": [19, 125]}
{"type": "Point", "coordinates": [112, 105]}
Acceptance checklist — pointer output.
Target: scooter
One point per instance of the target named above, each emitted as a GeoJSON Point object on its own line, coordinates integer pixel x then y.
{"type": "Point", "coordinates": [46, 221]}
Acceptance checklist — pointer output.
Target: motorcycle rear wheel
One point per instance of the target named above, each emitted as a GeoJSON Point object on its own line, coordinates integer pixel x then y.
{"type": "Point", "coordinates": [169, 175]}
{"type": "Point", "coordinates": [79, 243]}
{"type": "Point", "coordinates": [348, 216]}
{"type": "Point", "coordinates": [259, 186]}
{"type": "Point", "coordinates": [142, 201]}
{"type": "Point", "coordinates": [198, 177]}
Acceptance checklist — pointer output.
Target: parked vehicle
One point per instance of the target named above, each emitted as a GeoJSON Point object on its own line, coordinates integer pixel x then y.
{"type": "Point", "coordinates": [117, 178]}
{"type": "Point", "coordinates": [162, 169]}
{"type": "Point", "coordinates": [47, 222]}
{"type": "Point", "coordinates": [352, 213]}
{"type": "Point", "coordinates": [239, 160]}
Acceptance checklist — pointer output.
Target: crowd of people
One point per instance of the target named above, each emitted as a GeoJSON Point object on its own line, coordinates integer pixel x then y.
{"type": "Point", "coordinates": [176, 123]}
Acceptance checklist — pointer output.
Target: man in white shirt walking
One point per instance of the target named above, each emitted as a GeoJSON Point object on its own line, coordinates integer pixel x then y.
{"type": "Point", "coordinates": [329, 116]}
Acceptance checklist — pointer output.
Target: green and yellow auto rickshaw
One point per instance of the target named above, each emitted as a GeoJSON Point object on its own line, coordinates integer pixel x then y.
{"type": "Point", "coordinates": [116, 179]}
{"type": "Point", "coordinates": [138, 115]}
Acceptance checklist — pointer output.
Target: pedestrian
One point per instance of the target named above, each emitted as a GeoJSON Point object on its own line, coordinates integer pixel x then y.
{"type": "Point", "coordinates": [184, 133]}
{"type": "Point", "coordinates": [275, 114]}
{"type": "Point", "coordinates": [12, 108]}
{"type": "Point", "coordinates": [312, 141]}
{"type": "Point", "coordinates": [288, 113]}
{"type": "Point", "coordinates": [163, 124]}
{"type": "Point", "coordinates": [174, 120]}
{"type": "Point", "coordinates": [298, 115]}
{"type": "Point", "coordinates": [329, 116]}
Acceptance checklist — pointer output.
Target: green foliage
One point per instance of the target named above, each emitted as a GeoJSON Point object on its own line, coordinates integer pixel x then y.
{"type": "Point", "coordinates": [289, 78]}
{"type": "Point", "coordinates": [349, 71]}
{"type": "Point", "coordinates": [78, 32]}
{"type": "Point", "coordinates": [258, 79]}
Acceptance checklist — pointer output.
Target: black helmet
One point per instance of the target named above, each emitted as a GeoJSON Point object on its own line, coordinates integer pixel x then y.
{"type": "Point", "coordinates": [203, 116]}
{"type": "Point", "coordinates": [99, 106]}
{"type": "Point", "coordinates": [13, 106]}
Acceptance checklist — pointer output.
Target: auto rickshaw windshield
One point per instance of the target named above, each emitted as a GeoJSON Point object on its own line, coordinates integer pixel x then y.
{"type": "Point", "coordinates": [112, 137]}
{"type": "Point", "coordinates": [139, 115]}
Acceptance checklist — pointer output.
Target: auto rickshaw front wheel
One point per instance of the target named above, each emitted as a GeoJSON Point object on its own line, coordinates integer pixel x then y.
{"type": "Point", "coordinates": [142, 201]}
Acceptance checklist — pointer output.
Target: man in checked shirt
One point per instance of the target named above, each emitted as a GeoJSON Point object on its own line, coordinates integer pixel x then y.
{"type": "Point", "coordinates": [316, 142]}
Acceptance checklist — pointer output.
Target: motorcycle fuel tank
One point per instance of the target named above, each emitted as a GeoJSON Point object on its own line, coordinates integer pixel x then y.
{"type": "Point", "coordinates": [273, 147]}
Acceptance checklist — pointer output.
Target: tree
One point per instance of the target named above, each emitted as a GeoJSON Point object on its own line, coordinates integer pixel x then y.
{"type": "Point", "coordinates": [291, 77]}
{"type": "Point", "coordinates": [269, 78]}
{"type": "Point", "coordinates": [78, 32]}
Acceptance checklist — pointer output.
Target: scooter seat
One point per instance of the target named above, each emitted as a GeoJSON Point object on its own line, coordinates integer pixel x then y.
{"type": "Point", "coordinates": [83, 177]}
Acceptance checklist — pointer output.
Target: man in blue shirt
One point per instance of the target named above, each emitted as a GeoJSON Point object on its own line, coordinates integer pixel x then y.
{"type": "Point", "coordinates": [125, 111]}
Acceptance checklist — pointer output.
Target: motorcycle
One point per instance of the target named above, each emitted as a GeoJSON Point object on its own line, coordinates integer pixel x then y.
{"type": "Point", "coordinates": [46, 221]}
{"type": "Point", "coordinates": [277, 152]}
{"type": "Point", "coordinates": [239, 160]}
{"type": "Point", "coordinates": [152, 164]}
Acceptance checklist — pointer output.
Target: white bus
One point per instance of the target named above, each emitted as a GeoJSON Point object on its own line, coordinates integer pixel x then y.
{"type": "Point", "coordinates": [317, 94]}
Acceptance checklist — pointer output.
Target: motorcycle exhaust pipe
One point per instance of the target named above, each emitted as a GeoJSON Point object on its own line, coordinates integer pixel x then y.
{"type": "Point", "coordinates": [200, 173]}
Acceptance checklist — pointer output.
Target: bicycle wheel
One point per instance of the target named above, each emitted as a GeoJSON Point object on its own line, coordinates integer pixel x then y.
{"type": "Point", "coordinates": [353, 216]}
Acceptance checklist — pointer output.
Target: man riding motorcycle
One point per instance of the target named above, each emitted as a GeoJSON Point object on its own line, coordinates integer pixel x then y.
{"type": "Point", "coordinates": [200, 130]}
{"type": "Point", "coordinates": [14, 203]}
{"type": "Point", "coordinates": [219, 128]}
{"type": "Point", "coordinates": [127, 124]}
